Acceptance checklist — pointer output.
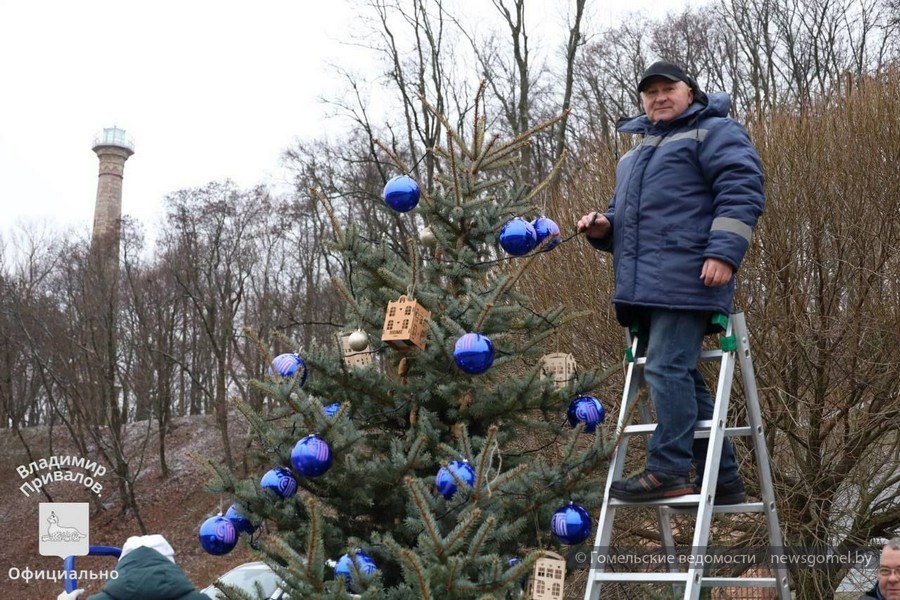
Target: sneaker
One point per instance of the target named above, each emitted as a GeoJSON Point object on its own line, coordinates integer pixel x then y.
{"type": "Point", "coordinates": [730, 492]}
{"type": "Point", "coordinates": [650, 486]}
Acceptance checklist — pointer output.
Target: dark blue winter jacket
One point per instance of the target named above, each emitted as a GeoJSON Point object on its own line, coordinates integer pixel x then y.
{"type": "Point", "coordinates": [691, 190]}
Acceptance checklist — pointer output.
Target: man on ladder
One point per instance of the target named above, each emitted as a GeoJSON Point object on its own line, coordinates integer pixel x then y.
{"type": "Point", "coordinates": [686, 201]}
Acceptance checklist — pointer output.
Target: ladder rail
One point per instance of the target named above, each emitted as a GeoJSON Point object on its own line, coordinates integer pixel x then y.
{"type": "Point", "coordinates": [763, 467]}
{"type": "Point", "coordinates": [633, 381]}
{"type": "Point", "coordinates": [711, 470]}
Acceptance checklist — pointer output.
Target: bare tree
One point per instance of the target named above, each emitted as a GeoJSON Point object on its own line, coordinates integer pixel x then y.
{"type": "Point", "coordinates": [210, 233]}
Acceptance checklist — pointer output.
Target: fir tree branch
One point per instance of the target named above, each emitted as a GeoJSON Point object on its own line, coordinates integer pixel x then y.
{"type": "Point", "coordinates": [456, 538]}
{"type": "Point", "coordinates": [411, 245]}
{"type": "Point", "coordinates": [415, 565]}
{"type": "Point", "coordinates": [478, 120]}
{"type": "Point", "coordinates": [504, 156]}
{"type": "Point", "coordinates": [476, 165]}
{"type": "Point", "coordinates": [329, 210]}
{"type": "Point", "coordinates": [478, 540]}
{"type": "Point", "coordinates": [315, 552]}
{"type": "Point", "coordinates": [431, 526]}
{"type": "Point", "coordinates": [454, 171]}
{"type": "Point", "coordinates": [351, 301]}
{"type": "Point", "coordinates": [394, 157]}
{"type": "Point", "coordinates": [554, 173]}
{"type": "Point", "coordinates": [484, 461]}
{"type": "Point", "coordinates": [451, 132]}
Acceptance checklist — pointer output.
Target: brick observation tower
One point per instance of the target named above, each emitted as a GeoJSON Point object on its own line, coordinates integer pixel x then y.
{"type": "Point", "coordinates": [113, 147]}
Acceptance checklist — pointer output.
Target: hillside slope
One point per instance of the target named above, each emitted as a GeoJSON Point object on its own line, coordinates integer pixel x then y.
{"type": "Point", "coordinates": [174, 506]}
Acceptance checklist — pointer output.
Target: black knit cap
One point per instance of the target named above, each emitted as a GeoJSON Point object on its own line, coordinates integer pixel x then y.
{"type": "Point", "coordinates": [666, 69]}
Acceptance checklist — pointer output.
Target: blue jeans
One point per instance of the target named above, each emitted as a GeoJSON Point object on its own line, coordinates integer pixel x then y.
{"type": "Point", "coordinates": [679, 393]}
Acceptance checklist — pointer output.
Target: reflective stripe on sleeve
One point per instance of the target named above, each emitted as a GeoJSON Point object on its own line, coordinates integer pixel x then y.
{"type": "Point", "coordinates": [732, 225]}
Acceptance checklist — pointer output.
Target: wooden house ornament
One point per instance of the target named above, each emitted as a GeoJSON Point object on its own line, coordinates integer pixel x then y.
{"type": "Point", "coordinates": [405, 325]}
{"type": "Point", "coordinates": [559, 367]}
{"type": "Point", "coordinates": [548, 578]}
{"type": "Point", "coordinates": [353, 358]}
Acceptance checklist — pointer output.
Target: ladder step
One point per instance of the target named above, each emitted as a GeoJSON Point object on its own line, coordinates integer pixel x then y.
{"type": "Point", "coordinates": [756, 582]}
{"type": "Point", "coordinates": [702, 430]}
{"type": "Point", "coordinates": [682, 577]}
{"type": "Point", "coordinates": [705, 356]}
{"type": "Point", "coordinates": [689, 502]}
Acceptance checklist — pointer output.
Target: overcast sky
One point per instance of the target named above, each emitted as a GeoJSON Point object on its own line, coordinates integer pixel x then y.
{"type": "Point", "coordinates": [208, 89]}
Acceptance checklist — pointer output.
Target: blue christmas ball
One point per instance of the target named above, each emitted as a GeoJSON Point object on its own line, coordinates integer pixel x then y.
{"type": "Point", "coordinates": [571, 524]}
{"type": "Point", "coordinates": [474, 353]}
{"type": "Point", "coordinates": [287, 366]}
{"type": "Point", "coordinates": [546, 228]}
{"type": "Point", "coordinates": [513, 562]}
{"type": "Point", "coordinates": [446, 484]}
{"type": "Point", "coordinates": [344, 566]}
{"type": "Point", "coordinates": [401, 193]}
{"type": "Point", "coordinates": [332, 409]}
{"type": "Point", "coordinates": [218, 536]}
{"type": "Point", "coordinates": [587, 410]}
{"type": "Point", "coordinates": [241, 523]}
{"type": "Point", "coordinates": [311, 456]}
{"type": "Point", "coordinates": [281, 481]}
{"type": "Point", "coordinates": [518, 237]}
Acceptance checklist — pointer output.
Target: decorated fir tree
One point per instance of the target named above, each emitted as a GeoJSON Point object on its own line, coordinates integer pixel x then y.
{"type": "Point", "coordinates": [418, 445]}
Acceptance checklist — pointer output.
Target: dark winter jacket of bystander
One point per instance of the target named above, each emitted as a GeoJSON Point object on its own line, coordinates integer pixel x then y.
{"type": "Point", "coordinates": [873, 594]}
{"type": "Point", "coordinates": [145, 574]}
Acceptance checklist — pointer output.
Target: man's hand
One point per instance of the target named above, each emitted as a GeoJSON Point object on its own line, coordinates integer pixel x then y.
{"type": "Point", "coordinates": [716, 272]}
{"type": "Point", "coordinates": [73, 595]}
{"type": "Point", "coordinates": [594, 224]}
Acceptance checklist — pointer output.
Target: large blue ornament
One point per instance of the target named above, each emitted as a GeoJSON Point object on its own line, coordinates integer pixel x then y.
{"type": "Point", "coordinates": [332, 409]}
{"type": "Point", "coordinates": [474, 353]}
{"type": "Point", "coordinates": [218, 535]}
{"type": "Point", "coordinates": [241, 523]}
{"type": "Point", "coordinates": [344, 566]}
{"type": "Point", "coordinates": [546, 228]}
{"type": "Point", "coordinates": [446, 484]}
{"type": "Point", "coordinates": [281, 481]}
{"type": "Point", "coordinates": [587, 410]}
{"type": "Point", "coordinates": [311, 456]}
{"type": "Point", "coordinates": [401, 193]}
{"type": "Point", "coordinates": [571, 524]}
{"type": "Point", "coordinates": [518, 237]}
{"type": "Point", "coordinates": [287, 366]}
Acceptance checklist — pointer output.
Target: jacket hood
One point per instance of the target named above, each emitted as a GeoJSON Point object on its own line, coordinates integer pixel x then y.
{"type": "Point", "coordinates": [145, 574]}
{"type": "Point", "coordinates": [717, 104]}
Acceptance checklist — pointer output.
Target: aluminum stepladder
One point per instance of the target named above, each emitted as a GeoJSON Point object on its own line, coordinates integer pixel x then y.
{"type": "Point", "coordinates": [734, 348]}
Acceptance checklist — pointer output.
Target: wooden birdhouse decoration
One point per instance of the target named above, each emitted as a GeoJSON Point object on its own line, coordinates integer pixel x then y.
{"type": "Point", "coordinates": [405, 325]}
{"type": "Point", "coordinates": [353, 358]}
{"type": "Point", "coordinates": [548, 578]}
{"type": "Point", "coordinates": [559, 367]}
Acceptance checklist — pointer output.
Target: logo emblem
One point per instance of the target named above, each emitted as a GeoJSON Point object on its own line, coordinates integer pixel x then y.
{"type": "Point", "coordinates": [63, 529]}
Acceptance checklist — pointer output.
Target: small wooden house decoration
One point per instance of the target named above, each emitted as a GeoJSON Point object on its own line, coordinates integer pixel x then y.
{"type": "Point", "coordinates": [548, 578]}
{"type": "Point", "coordinates": [405, 325]}
{"type": "Point", "coordinates": [559, 367]}
{"type": "Point", "coordinates": [352, 358]}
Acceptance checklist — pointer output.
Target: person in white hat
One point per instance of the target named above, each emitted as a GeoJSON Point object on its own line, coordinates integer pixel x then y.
{"type": "Point", "coordinates": [146, 571]}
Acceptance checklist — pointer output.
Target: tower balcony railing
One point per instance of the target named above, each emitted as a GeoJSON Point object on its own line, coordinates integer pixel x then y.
{"type": "Point", "coordinates": [113, 136]}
